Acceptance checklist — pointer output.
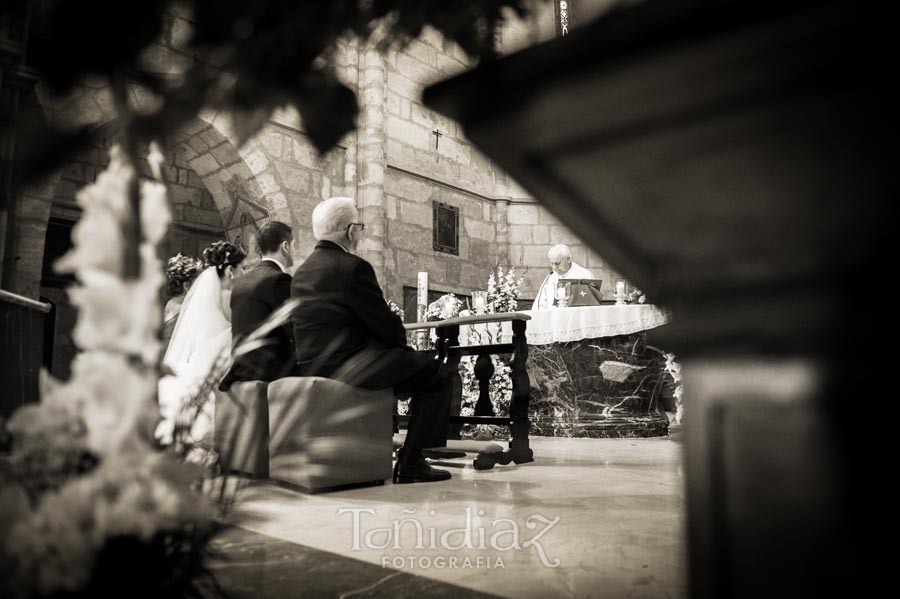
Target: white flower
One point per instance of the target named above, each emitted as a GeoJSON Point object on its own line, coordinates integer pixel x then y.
{"type": "Point", "coordinates": [97, 237]}
{"type": "Point", "coordinates": [155, 216]}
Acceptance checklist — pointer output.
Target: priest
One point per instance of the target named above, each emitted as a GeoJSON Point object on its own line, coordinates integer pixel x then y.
{"type": "Point", "coordinates": [561, 267]}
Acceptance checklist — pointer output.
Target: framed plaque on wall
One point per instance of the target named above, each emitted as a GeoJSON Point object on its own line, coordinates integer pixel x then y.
{"type": "Point", "coordinates": [446, 228]}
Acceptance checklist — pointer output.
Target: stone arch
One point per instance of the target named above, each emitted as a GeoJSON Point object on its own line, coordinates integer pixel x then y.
{"type": "Point", "coordinates": [239, 186]}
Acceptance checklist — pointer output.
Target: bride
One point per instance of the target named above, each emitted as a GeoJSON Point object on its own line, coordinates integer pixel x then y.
{"type": "Point", "coordinates": [202, 334]}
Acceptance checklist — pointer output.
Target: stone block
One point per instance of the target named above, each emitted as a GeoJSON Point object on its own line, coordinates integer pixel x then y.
{"type": "Point", "coordinates": [547, 218]}
{"type": "Point", "coordinates": [453, 271]}
{"type": "Point", "coordinates": [293, 178]}
{"type": "Point", "coordinates": [487, 211]}
{"type": "Point", "coordinates": [205, 217]}
{"type": "Point", "coordinates": [267, 183]}
{"type": "Point", "coordinates": [271, 141]}
{"type": "Point", "coordinates": [541, 233]}
{"type": "Point", "coordinates": [180, 32]}
{"type": "Point", "coordinates": [277, 202]}
{"type": "Point", "coordinates": [408, 132]}
{"type": "Point", "coordinates": [561, 234]}
{"type": "Point", "coordinates": [304, 154]}
{"type": "Point", "coordinates": [522, 214]}
{"type": "Point", "coordinates": [416, 70]}
{"type": "Point", "coordinates": [225, 154]}
{"type": "Point", "coordinates": [390, 207]}
{"type": "Point", "coordinates": [182, 154]}
{"type": "Point", "coordinates": [456, 151]}
{"type": "Point", "coordinates": [579, 254]}
{"type": "Point", "coordinates": [256, 161]}
{"type": "Point", "coordinates": [197, 144]}
{"type": "Point", "coordinates": [406, 236]}
{"type": "Point", "coordinates": [372, 173]}
{"type": "Point", "coordinates": [74, 172]}
{"type": "Point", "coordinates": [207, 202]}
{"type": "Point", "coordinates": [407, 263]}
{"type": "Point", "coordinates": [392, 103]}
{"type": "Point", "coordinates": [434, 38]}
{"type": "Point", "coordinates": [405, 108]}
{"type": "Point", "coordinates": [407, 187]}
{"type": "Point", "coordinates": [370, 196]}
{"type": "Point", "coordinates": [211, 136]}
{"type": "Point", "coordinates": [65, 190]}
{"type": "Point", "coordinates": [479, 229]}
{"type": "Point", "coordinates": [479, 251]}
{"type": "Point", "coordinates": [521, 234]}
{"type": "Point", "coordinates": [187, 196]}
{"type": "Point", "coordinates": [423, 52]}
{"type": "Point", "coordinates": [204, 164]}
{"type": "Point", "coordinates": [420, 214]}
{"type": "Point", "coordinates": [535, 256]}
{"type": "Point", "coordinates": [404, 86]}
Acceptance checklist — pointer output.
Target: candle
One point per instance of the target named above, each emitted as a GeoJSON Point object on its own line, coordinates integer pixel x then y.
{"type": "Point", "coordinates": [422, 295]}
{"type": "Point", "coordinates": [478, 301]}
{"type": "Point", "coordinates": [620, 289]}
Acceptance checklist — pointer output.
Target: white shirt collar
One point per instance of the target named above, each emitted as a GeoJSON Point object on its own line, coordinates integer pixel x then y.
{"type": "Point", "coordinates": [277, 263]}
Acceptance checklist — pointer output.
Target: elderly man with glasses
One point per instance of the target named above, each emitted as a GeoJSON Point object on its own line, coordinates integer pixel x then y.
{"type": "Point", "coordinates": [344, 330]}
{"type": "Point", "coordinates": [561, 267]}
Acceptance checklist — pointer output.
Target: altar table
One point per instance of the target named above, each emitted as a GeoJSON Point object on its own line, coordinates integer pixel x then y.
{"type": "Point", "coordinates": [591, 372]}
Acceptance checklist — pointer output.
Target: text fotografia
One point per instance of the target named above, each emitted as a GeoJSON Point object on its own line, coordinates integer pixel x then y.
{"type": "Point", "coordinates": [440, 562]}
{"type": "Point", "coordinates": [500, 535]}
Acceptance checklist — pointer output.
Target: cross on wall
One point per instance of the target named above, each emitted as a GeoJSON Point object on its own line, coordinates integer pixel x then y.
{"type": "Point", "coordinates": [437, 137]}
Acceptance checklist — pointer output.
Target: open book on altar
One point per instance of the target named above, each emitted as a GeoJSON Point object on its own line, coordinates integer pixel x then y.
{"type": "Point", "coordinates": [582, 292]}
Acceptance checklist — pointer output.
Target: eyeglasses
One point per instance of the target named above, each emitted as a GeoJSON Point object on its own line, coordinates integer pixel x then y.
{"type": "Point", "coordinates": [361, 226]}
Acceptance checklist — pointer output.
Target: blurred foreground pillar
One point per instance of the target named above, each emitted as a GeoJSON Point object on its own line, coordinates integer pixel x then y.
{"type": "Point", "coordinates": [731, 159]}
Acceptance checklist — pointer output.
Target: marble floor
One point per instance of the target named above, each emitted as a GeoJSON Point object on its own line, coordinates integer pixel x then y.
{"type": "Point", "coordinates": [589, 518]}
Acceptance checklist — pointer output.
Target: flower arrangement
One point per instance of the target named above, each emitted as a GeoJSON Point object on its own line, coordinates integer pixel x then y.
{"type": "Point", "coordinates": [503, 291]}
{"type": "Point", "coordinates": [635, 296]}
{"type": "Point", "coordinates": [89, 506]}
{"type": "Point", "coordinates": [394, 308]}
{"type": "Point", "coordinates": [444, 307]}
{"type": "Point", "coordinates": [500, 391]}
{"type": "Point", "coordinates": [180, 272]}
{"type": "Point", "coordinates": [673, 367]}
{"type": "Point", "coordinates": [502, 296]}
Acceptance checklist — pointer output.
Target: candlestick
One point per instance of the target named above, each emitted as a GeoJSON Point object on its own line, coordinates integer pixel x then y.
{"type": "Point", "coordinates": [422, 295]}
{"type": "Point", "coordinates": [478, 301]}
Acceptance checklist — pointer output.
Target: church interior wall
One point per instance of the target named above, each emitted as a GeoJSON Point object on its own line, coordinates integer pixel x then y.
{"type": "Point", "coordinates": [533, 230]}
{"type": "Point", "coordinates": [425, 157]}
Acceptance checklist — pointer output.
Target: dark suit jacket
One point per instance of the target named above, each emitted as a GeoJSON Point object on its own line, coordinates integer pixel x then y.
{"type": "Point", "coordinates": [255, 296]}
{"type": "Point", "coordinates": [342, 313]}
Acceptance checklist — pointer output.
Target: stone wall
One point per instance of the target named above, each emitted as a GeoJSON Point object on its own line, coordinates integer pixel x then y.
{"type": "Point", "coordinates": [409, 211]}
{"type": "Point", "coordinates": [196, 218]}
{"type": "Point", "coordinates": [292, 176]}
{"type": "Point", "coordinates": [429, 159]}
{"type": "Point", "coordinates": [532, 232]}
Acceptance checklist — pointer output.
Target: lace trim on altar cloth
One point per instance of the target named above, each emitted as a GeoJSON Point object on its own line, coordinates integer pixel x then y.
{"type": "Point", "coordinates": [590, 332]}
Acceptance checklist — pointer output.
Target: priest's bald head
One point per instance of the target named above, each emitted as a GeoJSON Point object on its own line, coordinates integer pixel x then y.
{"type": "Point", "coordinates": [337, 220]}
{"type": "Point", "coordinates": [560, 259]}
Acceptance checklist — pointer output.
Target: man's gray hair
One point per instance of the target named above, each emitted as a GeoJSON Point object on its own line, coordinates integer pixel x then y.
{"type": "Point", "coordinates": [333, 216]}
{"type": "Point", "coordinates": [559, 251]}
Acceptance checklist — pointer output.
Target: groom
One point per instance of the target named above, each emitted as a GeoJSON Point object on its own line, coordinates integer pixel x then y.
{"type": "Point", "coordinates": [256, 295]}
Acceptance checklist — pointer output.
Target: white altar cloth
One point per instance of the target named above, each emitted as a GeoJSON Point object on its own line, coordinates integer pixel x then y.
{"type": "Point", "coordinates": [558, 325]}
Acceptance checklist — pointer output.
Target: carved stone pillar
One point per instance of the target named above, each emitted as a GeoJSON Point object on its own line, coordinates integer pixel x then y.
{"type": "Point", "coordinates": [371, 158]}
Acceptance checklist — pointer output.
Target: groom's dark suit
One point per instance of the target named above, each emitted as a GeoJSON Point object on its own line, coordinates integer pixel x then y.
{"type": "Point", "coordinates": [343, 329]}
{"type": "Point", "coordinates": [255, 296]}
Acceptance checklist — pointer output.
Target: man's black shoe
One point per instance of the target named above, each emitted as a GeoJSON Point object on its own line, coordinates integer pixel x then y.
{"type": "Point", "coordinates": [420, 472]}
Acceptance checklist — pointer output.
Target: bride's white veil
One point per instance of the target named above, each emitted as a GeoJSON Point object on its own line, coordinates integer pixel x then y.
{"type": "Point", "coordinates": [201, 319]}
